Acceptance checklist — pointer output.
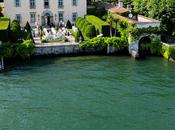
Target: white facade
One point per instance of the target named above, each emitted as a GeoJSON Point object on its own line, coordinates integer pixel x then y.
{"type": "Point", "coordinates": [145, 22]}
{"type": "Point", "coordinates": [44, 12]}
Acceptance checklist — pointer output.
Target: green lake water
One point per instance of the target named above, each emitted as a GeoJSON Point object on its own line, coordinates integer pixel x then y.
{"type": "Point", "coordinates": [88, 93]}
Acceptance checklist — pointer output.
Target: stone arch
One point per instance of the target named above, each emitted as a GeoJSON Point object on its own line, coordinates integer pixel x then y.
{"type": "Point", "coordinates": [47, 18]}
{"type": "Point", "coordinates": [134, 46]}
{"type": "Point", "coordinates": [47, 12]}
{"type": "Point", "coordinates": [143, 42]}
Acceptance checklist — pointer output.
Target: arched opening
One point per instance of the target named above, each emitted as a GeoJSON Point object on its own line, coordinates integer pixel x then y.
{"type": "Point", "coordinates": [144, 46]}
{"type": "Point", "coordinates": [47, 18]}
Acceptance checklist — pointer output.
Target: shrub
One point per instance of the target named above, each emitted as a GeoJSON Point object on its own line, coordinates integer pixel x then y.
{"type": "Point", "coordinates": [78, 21]}
{"type": "Point", "coordinates": [117, 42]}
{"type": "Point", "coordinates": [85, 26]}
{"type": "Point", "coordinates": [25, 49]}
{"type": "Point", "coordinates": [76, 35]}
{"type": "Point", "coordinates": [172, 52]}
{"type": "Point", "coordinates": [65, 39]}
{"type": "Point", "coordinates": [22, 50]}
{"type": "Point", "coordinates": [95, 42]}
{"type": "Point", "coordinates": [155, 46]}
{"type": "Point", "coordinates": [102, 26]}
{"type": "Point", "coordinates": [27, 35]}
{"type": "Point", "coordinates": [68, 24]}
{"type": "Point", "coordinates": [81, 24]}
{"type": "Point", "coordinates": [6, 50]}
{"type": "Point", "coordinates": [104, 42]}
{"type": "Point", "coordinates": [27, 26]}
{"type": "Point", "coordinates": [44, 41]}
{"type": "Point", "coordinates": [90, 31]}
{"type": "Point", "coordinates": [165, 51]}
{"type": "Point", "coordinates": [87, 29]}
{"type": "Point", "coordinates": [15, 31]}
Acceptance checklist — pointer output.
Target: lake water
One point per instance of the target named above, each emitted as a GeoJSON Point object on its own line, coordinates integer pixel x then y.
{"type": "Point", "coordinates": [88, 93]}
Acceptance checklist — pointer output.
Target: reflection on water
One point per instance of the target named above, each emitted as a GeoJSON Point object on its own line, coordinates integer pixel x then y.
{"type": "Point", "coordinates": [88, 93]}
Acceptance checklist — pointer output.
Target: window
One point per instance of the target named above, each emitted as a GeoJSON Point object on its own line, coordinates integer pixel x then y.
{"type": "Point", "coordinates": [74, 16]}
{"type": "Point", "coordinates": [60, 4]}
{"type": "Point", "coordinates": [61, 16]}
{"type": "Point", "coordinates": [74, 2]}
{"type": "Point", "coordinates": [18, 17]}
{"type": "Point", "coordinates": [32, 17]}
{"type": "Point", "coordinates": [46, 3]}
{"type": "Point", "coordinates": [32, 4]}
{"type": "Point", "coordinates": [17, 3]}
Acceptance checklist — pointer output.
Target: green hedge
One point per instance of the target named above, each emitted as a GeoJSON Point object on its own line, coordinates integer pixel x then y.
{"type": "Point", "coordinates": [101, 26]}
{"type": "Point", "coordinates": [104, 42]}
{"type": "Point", "coordinates": [87, 29]}
{"type": "Point", "coordinates": [22, 50]}
{"type": "Point", "coordinates": [78, 20]}
{"type": "Point", "coordinates": [4, 29]}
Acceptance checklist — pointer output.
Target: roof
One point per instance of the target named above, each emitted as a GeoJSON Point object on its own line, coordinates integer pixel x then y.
{"type": "Point", "coordinates": [4, 23]}
{"type": "Point", "coordinates": [119, 9]}
{"type": "Point", "coordinates": [124, 18]}
{"type": "Point", "coordinates": [141, 19]}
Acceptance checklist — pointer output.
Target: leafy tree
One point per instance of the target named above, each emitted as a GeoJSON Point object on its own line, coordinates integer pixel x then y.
{"type": "Point", "coordinates": [163, 10]}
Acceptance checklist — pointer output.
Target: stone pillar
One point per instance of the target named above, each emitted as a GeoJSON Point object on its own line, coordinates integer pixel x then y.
{"type": "Point", "coordinates": [134, 49]}
{"type": "Point", "coordinates": [2, 64]}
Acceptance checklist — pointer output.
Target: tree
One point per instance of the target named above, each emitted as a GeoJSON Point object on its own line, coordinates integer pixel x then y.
{"type": "Point", "coordinates": [27, 26]}
{"type": "Point", "coordinates": [109, 20]}
{"type": "Point", "coordinates": [163, 10]}
{"type": "Point", "coordinates": [69, 25]}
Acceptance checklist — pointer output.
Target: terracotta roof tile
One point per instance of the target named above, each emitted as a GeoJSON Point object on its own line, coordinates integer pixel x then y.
{"type": "Point", "coordinates": [119, 9]}
{"type": "Point", "coordinates": [122, 17]}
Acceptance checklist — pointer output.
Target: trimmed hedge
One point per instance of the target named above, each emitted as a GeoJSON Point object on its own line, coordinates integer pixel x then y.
{"type": "Point", "coordinates": [77, 22]}
{"type": "Point", "coordinates": [87, 29]}
{"type": "Point", "coordinates": [90, 31]}
{"type": "Point", "coordinates": [4, 29]}
{"type": "Point", "coordinates": [68, 24]}
{"type": "Point", "coordinates": [101, 26]}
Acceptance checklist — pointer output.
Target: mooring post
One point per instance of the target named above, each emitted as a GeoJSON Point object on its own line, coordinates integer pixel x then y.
{"type": "Point", "coordinates": [2, 63]}
{"type": "Point", "coordinates": [108, 49]}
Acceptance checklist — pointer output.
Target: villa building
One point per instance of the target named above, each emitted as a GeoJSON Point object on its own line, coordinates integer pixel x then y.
{"type": "Point", "coordinates": [119, 12]}
{"type": "Point", "coordinates": [44, 12]}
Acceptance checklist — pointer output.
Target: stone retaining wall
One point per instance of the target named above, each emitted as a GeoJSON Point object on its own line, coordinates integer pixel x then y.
{"type": "Point", "coordinates": [65, 50]}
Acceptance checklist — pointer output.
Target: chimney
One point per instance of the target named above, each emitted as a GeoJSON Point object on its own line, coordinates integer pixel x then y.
{"type": "Point", "coordinates": [120, 3]}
